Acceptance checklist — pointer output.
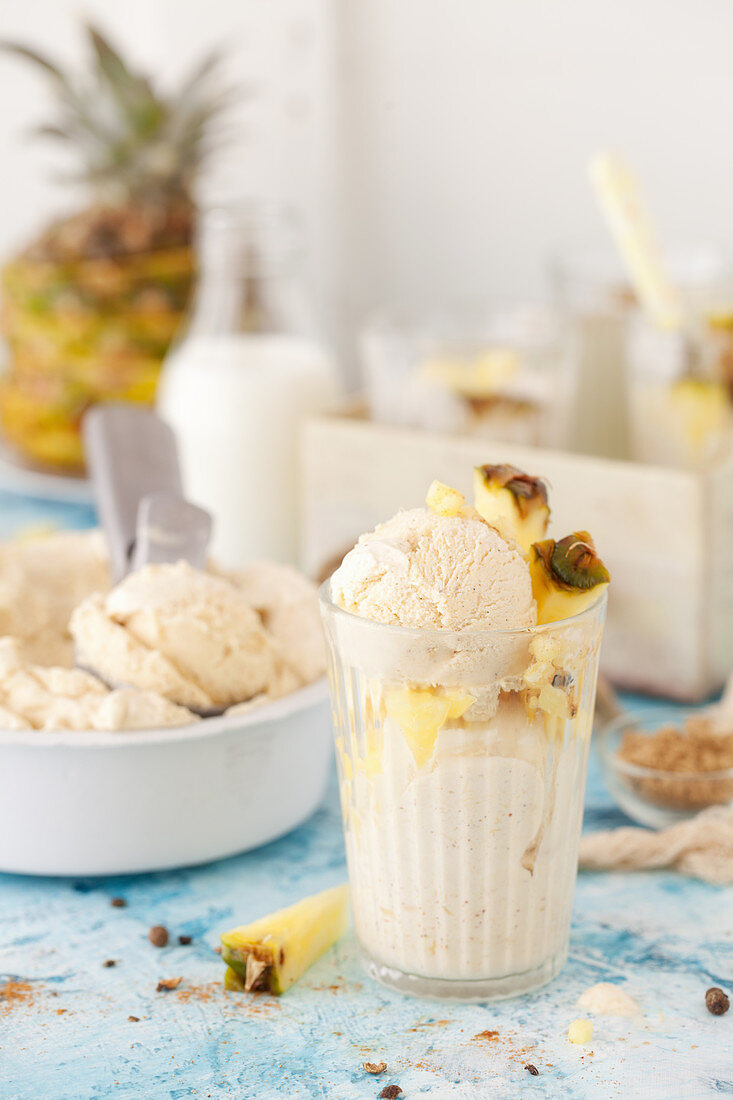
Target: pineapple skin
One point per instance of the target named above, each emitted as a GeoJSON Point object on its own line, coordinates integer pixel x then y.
{"type": "Point", "coordinates": [556, 600]}
{"type": "Point", "coordinates": [81, 333]}
{"type": "Point", "coordinates": [289, 941]}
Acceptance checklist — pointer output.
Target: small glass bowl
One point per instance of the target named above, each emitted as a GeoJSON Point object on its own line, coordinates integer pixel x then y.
{"type": "Point", "coordinates": [651, 796]}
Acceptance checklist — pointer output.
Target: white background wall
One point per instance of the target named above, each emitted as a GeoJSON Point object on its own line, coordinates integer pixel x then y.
{"type": "Point", "coordinates": [435, 147]}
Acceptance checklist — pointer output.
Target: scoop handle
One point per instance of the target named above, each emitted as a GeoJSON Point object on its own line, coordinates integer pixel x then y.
{"type": "Point", "coordinates": [170, 529]}
{"type": "Point", "coordinates": [131, 453]}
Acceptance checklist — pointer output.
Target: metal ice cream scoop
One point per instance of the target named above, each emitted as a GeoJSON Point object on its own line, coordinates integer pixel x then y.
{"type": "Point", "coordinates": [133, 461]}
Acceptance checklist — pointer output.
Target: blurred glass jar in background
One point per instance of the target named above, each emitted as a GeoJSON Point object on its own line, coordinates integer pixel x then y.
{"type": "Point", "coordinates": [590, 284]}
{"type": "Point", "coordinates": [248, 370]}
{"type": "Point", "coordinates": [680, 383]}
{"type": "Point", "coordinates": [504, 373]}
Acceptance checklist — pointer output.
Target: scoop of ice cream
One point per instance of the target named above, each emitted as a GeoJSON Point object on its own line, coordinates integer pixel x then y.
{"type": "Point", "coordinates": [42, 579]}
{"type": "Point", "coordinates": [43, 698]}
{"type": "Point", "coordinates": [430, 571]}
{"type": "Point", "coordinates": [456, 583]}
{"type": "Point", "coordinates": [607, 999]}
{"type": "Point", "coordinates": [287, 604]}
{"type": "Point", "coordinates": [187, 635]}
{"type": "Point", "coordinates": [133, 709]}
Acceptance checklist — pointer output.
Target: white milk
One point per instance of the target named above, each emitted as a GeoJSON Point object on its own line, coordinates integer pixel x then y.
{"type": "Point", "coordinates": [237, 402]}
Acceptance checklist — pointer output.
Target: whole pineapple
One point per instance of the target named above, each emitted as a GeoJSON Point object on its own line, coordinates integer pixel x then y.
{"type": "Point", "coordinates": [90, 307]}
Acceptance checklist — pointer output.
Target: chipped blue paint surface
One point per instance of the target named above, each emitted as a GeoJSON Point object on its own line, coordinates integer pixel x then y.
{"type": "Point", "coordinates": [663, 938]}
{"type": "Point", "coordinates": [19, 512]}
{"type": "Point", "coordinates": [66, 1036]}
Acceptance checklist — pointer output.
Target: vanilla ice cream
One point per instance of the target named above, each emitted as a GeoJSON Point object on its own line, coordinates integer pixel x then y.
{"type": "Point", "coordinates": [37, 697]}
{"type": "Point", "coordinates": [462, 736]}
{"type": "Point", "coordinates": [167, 637]}
{"type": "Point", "coordinates": [607, 999]}
{"type": "Point", "coordinates": [185, 634]}
{"type": "Point", "coordinates": [42, 579]}
{"type": "Point", "coordinates": [287, 604]}
{"type": "Point", "coordinates": [429, 571]}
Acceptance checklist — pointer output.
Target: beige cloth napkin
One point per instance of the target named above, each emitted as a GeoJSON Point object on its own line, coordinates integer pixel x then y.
{"type": "Point", "coordinates": [701, 847]}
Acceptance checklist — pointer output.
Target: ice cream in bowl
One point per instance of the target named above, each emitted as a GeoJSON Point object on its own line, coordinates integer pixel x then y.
{"type": "Point", "coordinates": [115, 765]}
{"type": "Point", "coordinates": [462, 652]}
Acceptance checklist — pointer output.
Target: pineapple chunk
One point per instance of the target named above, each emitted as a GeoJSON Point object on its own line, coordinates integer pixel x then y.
{"type": "Point", "coordinates": [512, 502]}
{"type": "Point", "coordinates": [567, 576]}
{"type": "Point", "coordinates": [445, 501]}
{"type": "Point", "coordinates": [458, 702]}
{"type": "Point", "coordinates": [580, 1031]}
{"type": "Point", "coordinates": [554, 701]}
{"type": "Point", "coordinates": [421, 713]}
{"type": "Point", "coordinates": [482, 375]}
{"type": "Point", "coordinates": [702, 409]}
{"type": "Point", "coordinates": [272, 953]}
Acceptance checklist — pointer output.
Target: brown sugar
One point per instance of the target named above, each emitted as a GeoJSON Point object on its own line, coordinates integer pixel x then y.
{"type": "Point", "coordinates": [689, 755]}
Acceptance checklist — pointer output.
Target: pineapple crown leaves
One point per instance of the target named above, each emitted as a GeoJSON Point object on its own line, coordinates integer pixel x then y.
{"type": "Point", "coordinates": [133, 142]}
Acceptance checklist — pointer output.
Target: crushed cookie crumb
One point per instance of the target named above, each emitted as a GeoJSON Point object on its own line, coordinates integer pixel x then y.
{"type": "Point", "coordinates": [184, 940]}
{"type": "Point", "coordinates": [374, 1067]}
{"type": "Point", "coordinates": [133, 1019]}
{"type": "Point", "coordinates": [118, 903]}
{"type": "Point", "coordinates": [532, 1070]}
{"type": "Point", "coordinates": [168, 983]}
{"type": "Point", "coordinates": [390, 1092]}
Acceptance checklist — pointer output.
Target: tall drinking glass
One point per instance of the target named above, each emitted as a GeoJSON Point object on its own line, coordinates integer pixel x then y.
{"type": "Point", "coordinates": [462, 761]}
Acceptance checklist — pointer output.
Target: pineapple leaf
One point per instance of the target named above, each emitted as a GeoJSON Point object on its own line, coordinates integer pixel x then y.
{"type": "Point", "coordinates": [139, 106]}
{"type": "Point", "coordinates": [37, 59]}
{"type": "Point", "coordinates": [200, 75]}
{"type": "Point", "coordinates": [108, 60]}
{"type": "Point", "coordinates": [52, 131]}
{"type": "Point", "coordinates": [133, 143]}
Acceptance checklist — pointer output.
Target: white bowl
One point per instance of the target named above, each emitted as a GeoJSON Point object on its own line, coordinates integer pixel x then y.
{"type": "Point", "coordinates": [115, 803]}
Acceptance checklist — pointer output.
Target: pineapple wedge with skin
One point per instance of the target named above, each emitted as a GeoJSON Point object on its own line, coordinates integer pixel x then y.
{"type": "Point", "coordinates": [512, 502]}
{"type": "Point", "coordinates": [272, 953]}
{"type": "Point", "coordinates": [421, 713]}
{"type": "Point", "coordinates": [567, 576]}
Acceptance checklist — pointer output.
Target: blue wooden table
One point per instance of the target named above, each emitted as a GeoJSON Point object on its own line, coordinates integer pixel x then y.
{"type": "Point", "coordinates": [66, 1031]}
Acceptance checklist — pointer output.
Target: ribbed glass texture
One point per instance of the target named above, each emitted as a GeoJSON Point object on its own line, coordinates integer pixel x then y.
{"type": "Point", "coordinates": [462, 762]}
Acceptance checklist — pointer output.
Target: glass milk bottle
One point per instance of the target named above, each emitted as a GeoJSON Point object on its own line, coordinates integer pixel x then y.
{"type": "Point", "coordinates": [240, 382]}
